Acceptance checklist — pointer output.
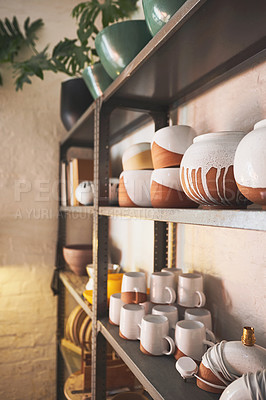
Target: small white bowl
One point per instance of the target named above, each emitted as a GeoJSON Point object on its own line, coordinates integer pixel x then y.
{"type": "Point", "coordinates": [134, 188]}
{"type": "Point", "coordinates": [137, 156]}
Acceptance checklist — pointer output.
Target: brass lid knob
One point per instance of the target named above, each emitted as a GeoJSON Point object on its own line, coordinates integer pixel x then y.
{"type": "Point", "coordinates": [248, 338]}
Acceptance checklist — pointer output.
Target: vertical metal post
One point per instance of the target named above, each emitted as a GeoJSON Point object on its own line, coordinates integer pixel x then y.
{"type": "Point", "coordinates": [100, 248]}
{"type": "Point", "coordinates": [172, 231]}
{"type": "Point", "coordinates": [161, 119]}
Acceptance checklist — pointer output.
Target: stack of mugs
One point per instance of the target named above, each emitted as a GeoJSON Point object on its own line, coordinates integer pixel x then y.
{"type": "Point", "coordinates": [134, 181]}
{"type": "Point", "coordinates": [153, 319]}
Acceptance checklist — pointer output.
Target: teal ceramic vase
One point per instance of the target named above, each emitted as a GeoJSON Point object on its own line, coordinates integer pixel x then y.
{"type": "Point", "coordinates": [158, 12]}
{"type": "Point", "coordinates": [119, 43]}
{"type": "Point", "coordinates": [97, 79]}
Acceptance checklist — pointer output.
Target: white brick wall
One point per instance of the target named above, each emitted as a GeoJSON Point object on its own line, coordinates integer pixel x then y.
{"type": "Point", "coordinates": [30, 131]}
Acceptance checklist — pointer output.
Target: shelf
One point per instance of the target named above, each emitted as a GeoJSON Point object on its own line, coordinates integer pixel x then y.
{"type": "Point", "coordinates": [204, 43]}
{"type": "Point", "coordinates": [76, 286]}
{"type": "Point", "coordinates": [157, 374]}
{"type": "Point", "coordinates": [77, 209]}
{"type": "Point", "coordinates": [241, 219]}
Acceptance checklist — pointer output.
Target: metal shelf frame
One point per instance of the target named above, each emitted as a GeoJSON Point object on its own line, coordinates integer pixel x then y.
{"type": "Point", "coordinates": [204, 43]}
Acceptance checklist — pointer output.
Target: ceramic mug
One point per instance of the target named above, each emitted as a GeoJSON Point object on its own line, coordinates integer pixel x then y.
{"type": "Point", "coordinates": [154, 339]}
{"type": "Point", "coordinates": [148, 305]}
{"type": "Point", "coordinates": [190, 290]}
{"type": "Point", "coordinates": [134, 288]}
{"type": "Point", "coordinates": [115, 308]}
{"type": "Point", "coordinates": [162, 288]}
{"type": "Point", "coordinates": [130, 319]}
{"type": "Point", "coordinates": [169, 311]}
{"type": "Point", "coordinates": [175, 271]}
{"type": "Point", "coordinates": [199, 314]}
{"type": "Point", "coordinates": [190, 339]}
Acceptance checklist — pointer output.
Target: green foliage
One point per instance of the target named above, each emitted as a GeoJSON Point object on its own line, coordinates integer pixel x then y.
{"type": "Point", "coordinates": [69, 56]}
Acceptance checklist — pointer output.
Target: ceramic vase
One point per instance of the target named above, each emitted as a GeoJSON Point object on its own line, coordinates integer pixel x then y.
{"type": "Point", "coordinates": [97, 79]}
{"type": "Point", "coordinates": [75, 99]}
{"type": "Point", "coordinates": [250, 164]}
{"type": "Point", "coordinates": [119, 43]}
{"type": "Point", "coordinates": [207, 175]}
{"type": "Point", "coordinates": [158, 12]}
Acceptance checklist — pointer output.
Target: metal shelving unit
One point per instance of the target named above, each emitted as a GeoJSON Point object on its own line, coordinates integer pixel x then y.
{"type": "Point", "coordinates": [204, 43]}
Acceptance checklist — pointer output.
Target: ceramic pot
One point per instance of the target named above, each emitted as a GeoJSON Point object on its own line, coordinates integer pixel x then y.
{"type": "Point", "coordinates": [235, 355]}
{"type": "Point", "coordinates": [119, 43]}
{"type": "Point", "coordinates": [75, 99]}
{"type": "Point", "coordinates": [137, 156]}
{"type": "Point", "coordinates": [77, 256]}
{"type": "Point", "coordinates": [169, 145]}
{"type": "Point", "coordinates": [158, 12]}
{"type": "Point", "coordinates": [207, 170]}
{"type": "Point", "coordinates": [97, 79]}
{"type": "Point", "coordinates": [166, 189]}
{"type": "Point", "coordinates": [250, 164]}
{"type": "Point", "coordinates": [134, 188]}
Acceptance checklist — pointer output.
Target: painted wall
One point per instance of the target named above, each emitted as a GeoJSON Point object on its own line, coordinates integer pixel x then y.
{"type": "Point", "coordinates": [30, 131]}
{"type": "Point", "coordinates": [232, 261]}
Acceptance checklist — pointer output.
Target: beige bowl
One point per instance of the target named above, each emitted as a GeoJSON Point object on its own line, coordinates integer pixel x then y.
{"type": "Point", "coordinates": [77, 256]}
{"type": "Point", "coordinates": [134, 188]}
{"type": "Point", "coordinates": [137, 156]}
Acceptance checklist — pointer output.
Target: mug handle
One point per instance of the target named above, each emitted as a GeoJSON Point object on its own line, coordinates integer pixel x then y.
{"type": "Point", "coordinates": [172, 294]}
{"type": "Point", "coordinates": [171, 344]}
{"type": "Point", "coordinates": [202, 299]}
{"type": "Point", "coordinates": [137, 291]}
{"type": "Point", "coordinates": [208, 343]}
{"type": "Point", "coordinates": [139, 325]}
{"type": "Point", "coordinates": [211, 334]}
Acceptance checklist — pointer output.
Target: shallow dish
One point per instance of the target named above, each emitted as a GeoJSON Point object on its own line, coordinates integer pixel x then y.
{"type": "Point", "coordinates": [119, 43]}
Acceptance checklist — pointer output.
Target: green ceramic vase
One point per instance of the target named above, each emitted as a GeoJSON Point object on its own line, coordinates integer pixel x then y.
{"type": "Point", "coordinates": [97, 79]}
{"type": "Point", "coordinates": [158, 12]}
{"type": "Point", "coordinates": [119, 43]}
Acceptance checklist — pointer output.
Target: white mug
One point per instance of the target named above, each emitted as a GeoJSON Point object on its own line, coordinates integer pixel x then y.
{"type": "Point", "coordinates": [130, 318]}
{"type": "Point", "coordinates": [175, 271]}
{"type": "Point", "coordinates": [199, 314]}
{"type": "Point", "coordinates": [190, 339]}
{"type": "Point", "coordinates": [168, 311]}
{"type": "Point", "coordinates": [154, 339]}
{"type": "Point", "coordinates": [162, 288]}
{"type": "Point", "coordinates": [147, 305]}
{"type": "Point", "coordinates": [134, 287]}
{"type": "Point", "coordinates": [114, 308]}
{"type": "Point", "coordinates": [190, 290]}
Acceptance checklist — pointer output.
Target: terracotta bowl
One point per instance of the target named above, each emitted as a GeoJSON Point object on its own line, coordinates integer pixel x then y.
{"type": "Point", "coordinates": [134, 188]}
{"type": "Point", "coordinates": [137, 156]}
{"type": "Point", "coordinates": [166, 190]}
{"type": "Point", "coordinates": [169, 145]}
{"type": "Point", "coordinates": [77, 256]}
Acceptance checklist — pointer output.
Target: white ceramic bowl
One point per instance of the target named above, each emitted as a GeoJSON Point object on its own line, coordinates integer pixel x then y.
{"type": "Point", "coordinates": [169, 145]}
{"type": "Point", "coordinates": [84, 193]}
{"type": "Point", "coordinates": [166, 189]}
{"type": "Point", "coordinates": [137, 156]}
{"type": "Point", "coordinates": [134, 188]}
